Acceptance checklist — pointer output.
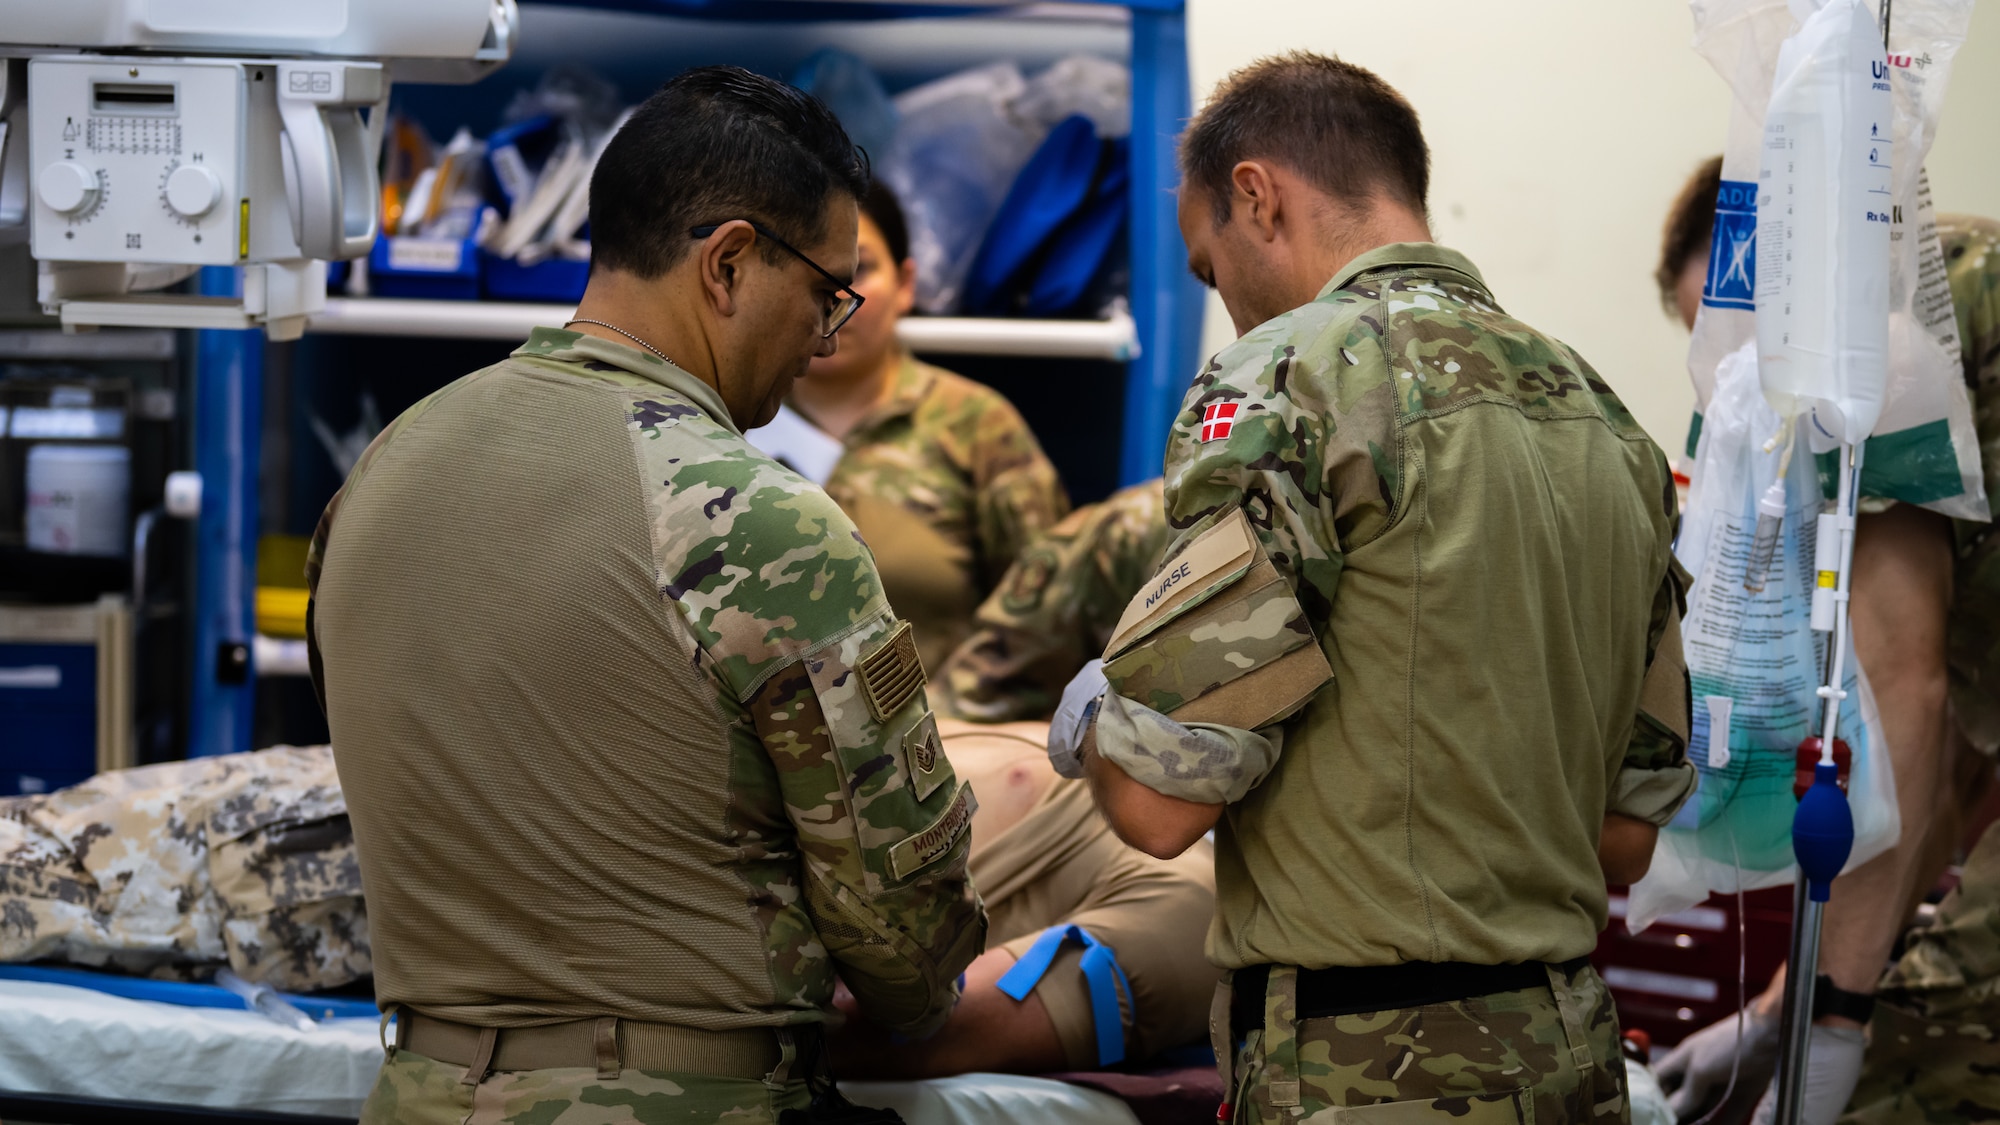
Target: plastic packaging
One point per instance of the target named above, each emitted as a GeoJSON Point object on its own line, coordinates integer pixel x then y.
{"type": "Point", "coordinates": [963, 140]}
{"type": "Point", "coordinates": [956, 153]}
{"type": "Point", "coordinates": [1755, 666]}
{"type": "Point", "coordinates": [1081, 85]}
{"type": "Point", "coordinates": [77, 498]}
{"type": "Point", "coordinates": [1924, 449]}
{"type": "Point", "coordinates": [855, 95]}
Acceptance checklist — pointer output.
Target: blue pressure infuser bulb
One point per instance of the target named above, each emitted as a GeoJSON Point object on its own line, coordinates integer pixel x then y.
{"type": "Point", "coordinates": [1822, 831]}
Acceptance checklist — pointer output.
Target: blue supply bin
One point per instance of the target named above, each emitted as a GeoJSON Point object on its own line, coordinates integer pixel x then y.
{"type": "Point", "coordinates": [558, 280]}
{"type": "Point", "coordinates": [48, 716]}
{"type": "Point", "coordinates": [441, 269]}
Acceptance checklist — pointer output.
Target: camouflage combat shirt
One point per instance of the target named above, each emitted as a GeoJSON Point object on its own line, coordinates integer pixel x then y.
{"type": "Point", "coordinates": [1479, 536]}
{"type": "Point", "coordinates": [624, 723]}
{"type": "Point", "coordinates": [947, 484]}
{"type": "Point", "coordinates": [1055, 608]}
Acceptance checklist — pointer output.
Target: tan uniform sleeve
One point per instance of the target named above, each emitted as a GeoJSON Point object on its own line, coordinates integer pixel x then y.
{"type": "Point", "coordinates": [1016, 493]}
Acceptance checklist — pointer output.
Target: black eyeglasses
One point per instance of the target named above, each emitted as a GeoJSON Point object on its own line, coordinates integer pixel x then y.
{"type": "Point", "coordinates": [834, 315]}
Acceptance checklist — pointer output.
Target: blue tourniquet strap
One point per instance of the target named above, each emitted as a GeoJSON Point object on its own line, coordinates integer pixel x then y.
{"type": "Point", "coordinates": [1101, 972]}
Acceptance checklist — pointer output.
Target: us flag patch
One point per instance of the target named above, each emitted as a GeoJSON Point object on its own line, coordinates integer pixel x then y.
{"type": "Point", "coordinates": [1217, 419]}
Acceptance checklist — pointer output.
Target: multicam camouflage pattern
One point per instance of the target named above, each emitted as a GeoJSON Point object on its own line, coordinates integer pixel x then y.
{"type": "Point", "coordinates": [948, 485]}
{"type": "Point", "coordinates": [414, 1090]}
{"type": "Point", "coordinates": [842, 863]}
{"type": "Point", "coordinates": [1972, 260]}
{"type": "Point", "coordinates": [783, 598]}
{"type": "Point", "coordinates": [1934, 1043]}
{"type": "Point", "coordinates": [1183, 658]}
{"type": "Point", "coordinates": [1390, 443]}
{"type": "Point", "coordinates": [1210, 765]}
{"type": "Point", "coordinates": [1055, 608]}
{"type": "Point", "coordinates": [1313, 455]}
{"type": "Point", "coordinates": [175, 870]}
{"type": "Point", "coordinates": [1504, 1058]}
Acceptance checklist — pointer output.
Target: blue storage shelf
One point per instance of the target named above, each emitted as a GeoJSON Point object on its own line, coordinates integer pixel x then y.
{"type": "Point", "coordinates": [1166, 306]}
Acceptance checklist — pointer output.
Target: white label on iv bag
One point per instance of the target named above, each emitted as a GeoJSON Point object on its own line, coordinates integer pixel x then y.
{"type": "Point", "coordinates": [1718, 729]}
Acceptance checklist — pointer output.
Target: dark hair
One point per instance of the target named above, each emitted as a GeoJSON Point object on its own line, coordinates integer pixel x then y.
{"type": "Point", "coordinates": [1689, 224]}
{"type": "Point", "coordinates": [713, 144]}
{"type": "Point", "coordinates": [1344, 129]}
{"type": "Point", "coordinates": [880, 205]}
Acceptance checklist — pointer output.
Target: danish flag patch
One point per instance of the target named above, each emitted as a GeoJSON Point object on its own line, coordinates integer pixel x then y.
{"type": "Point", "coordinates": [1217, 419]}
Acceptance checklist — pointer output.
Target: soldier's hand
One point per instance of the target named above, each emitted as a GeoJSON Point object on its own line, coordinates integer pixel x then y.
{"type": "Point", "coordinates": [1066, 729]}
{"type": "Point", "coordinates": [1696, 1074]}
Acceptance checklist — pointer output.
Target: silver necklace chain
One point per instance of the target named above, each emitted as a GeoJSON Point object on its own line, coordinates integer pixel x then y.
{"type": "Point", "coordinates": [627, 335]}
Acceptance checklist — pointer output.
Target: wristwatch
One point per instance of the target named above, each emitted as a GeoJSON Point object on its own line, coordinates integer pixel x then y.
{"type": "Point", "coordinates": [1829, 999]}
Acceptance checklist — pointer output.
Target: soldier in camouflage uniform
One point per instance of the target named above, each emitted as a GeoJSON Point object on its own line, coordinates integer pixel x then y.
{"type": "Point", "coordinates": [1972, 260]}
{"type": "Point", "coordinates": [636, 753]}
{"type": "Point", "coordinates": [940, 473]}
{"type": "Point", "coordinates": [1055, 608]}
{"type": "Point", "coordinates": [947, 484]}
{"type": "Point", "coordinates": [178, 869]}
{"type": "Point", "coordinates": [1934, 1042]}
{"type": "Point", "coordinates": [1414, 653]}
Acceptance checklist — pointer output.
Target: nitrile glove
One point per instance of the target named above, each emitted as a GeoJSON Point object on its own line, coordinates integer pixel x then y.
{"type": "Point", "coordinates": [1833, 1066]}
{"type": "Point", "coordinates": [1073, 718]}
{"type": "Point", "coordinates": [1695, 1073]}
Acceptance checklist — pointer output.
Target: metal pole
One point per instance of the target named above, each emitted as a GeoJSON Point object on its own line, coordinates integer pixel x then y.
{"type": "Point", "coordinates": [1795, 1031]}
{"type": "Point", "coordinates": [1823, 827]}
{"type": "Point", "coordinates": [229, 427]}
{"type": "Point", "coordinates": [1166, 302]}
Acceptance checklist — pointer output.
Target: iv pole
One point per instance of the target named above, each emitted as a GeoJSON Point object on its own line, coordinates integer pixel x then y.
{"type": "Point", "coordinates": [1823, 827]}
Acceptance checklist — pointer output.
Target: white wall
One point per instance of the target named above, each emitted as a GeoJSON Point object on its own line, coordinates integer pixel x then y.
{"type": "Point", "coordinates": [1560, 131]}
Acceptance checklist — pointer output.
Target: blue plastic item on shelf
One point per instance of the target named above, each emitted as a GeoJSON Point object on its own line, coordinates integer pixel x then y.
{"type": "Point", "coordinates": [556, 280]}
{"type": "Point", "coordinates": [48, 709]}
{"type": "Point", "coordinates": [183, 993]}
{"type": "Point", "coordinates": [1082, 248]}
{"type": "Point", "coordinates": [1055, 230]}
{"type": "Point", "coordinates": [336, 276]}
{"type": "Point", "coordinates": [446, 269]}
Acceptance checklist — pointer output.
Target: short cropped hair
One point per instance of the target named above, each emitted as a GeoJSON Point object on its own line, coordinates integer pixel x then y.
{"type": "Point", "coordinates": [1341, 127]}
{"type": "Point", "coordinates": [881, 205]}
{"type": "Point", "coordinates": [1690, 223]}
{"type": "Point", "coordinates": [717, 143]}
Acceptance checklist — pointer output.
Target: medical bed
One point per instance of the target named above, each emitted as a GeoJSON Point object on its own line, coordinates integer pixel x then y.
{"type": "Point", "coordinates": [79, 1056]}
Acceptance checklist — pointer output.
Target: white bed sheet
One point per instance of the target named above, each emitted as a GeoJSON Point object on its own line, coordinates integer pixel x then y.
{"type": "Point", "coordinates": [75, 1042]}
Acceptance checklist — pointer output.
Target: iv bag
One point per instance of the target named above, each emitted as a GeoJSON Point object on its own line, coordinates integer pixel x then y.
{"type": "Point", "coordinates": [1924, 449]}
{"type": "Point", "coordinates": [1754, 667]}
{"type": "Point", "coordinates": [1823, 210]}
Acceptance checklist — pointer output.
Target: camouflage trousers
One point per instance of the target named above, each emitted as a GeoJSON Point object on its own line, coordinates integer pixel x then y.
{"type": "Point", "coordinates": [1533, 1055]}
{"type": "Point", "coordinates": [414, 1090]}
{"type": "Point", "coordinates": [1926, 1072]}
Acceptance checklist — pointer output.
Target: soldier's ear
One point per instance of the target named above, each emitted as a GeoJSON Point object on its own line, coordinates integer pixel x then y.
{"type": "Point", "coordinates": [1255, 197]}
{"type": "Point", "coordinates": [718, 261]}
